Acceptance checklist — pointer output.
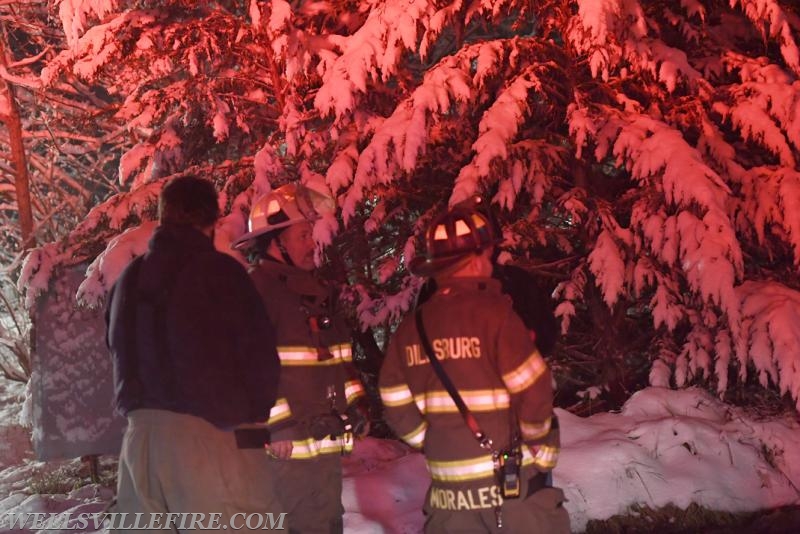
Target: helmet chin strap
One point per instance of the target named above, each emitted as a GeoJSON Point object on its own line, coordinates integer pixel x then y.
{"type": "Point", "coordinates": [284, 253]}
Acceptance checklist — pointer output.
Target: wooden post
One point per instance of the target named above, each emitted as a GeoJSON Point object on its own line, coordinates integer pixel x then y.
{"type": "Point", "coordinates": [9, 114]}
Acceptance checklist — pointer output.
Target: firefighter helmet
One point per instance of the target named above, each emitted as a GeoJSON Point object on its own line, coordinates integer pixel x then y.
{"type": "Point", "coordinates": [452, 236]}
{"type": "Point", "coordinates": [286, 205]}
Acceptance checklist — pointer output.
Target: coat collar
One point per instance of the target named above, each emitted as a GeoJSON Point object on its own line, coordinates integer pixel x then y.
{"type": "Point", "coordinates": [457, 285]}
{"type": "Point", "coordinates": [296, 280]}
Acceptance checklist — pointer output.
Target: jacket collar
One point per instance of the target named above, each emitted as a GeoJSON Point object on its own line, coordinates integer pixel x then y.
{"type": "Point", "coordinates": [179, 239]}
{"type": "Point", "coordinates": [456, 285]}
{"type": "Point", "coordinates": [297, 280]}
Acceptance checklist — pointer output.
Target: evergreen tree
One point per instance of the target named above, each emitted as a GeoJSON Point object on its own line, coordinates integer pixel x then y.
{"type": "Point", "coordinates": [643, 154]}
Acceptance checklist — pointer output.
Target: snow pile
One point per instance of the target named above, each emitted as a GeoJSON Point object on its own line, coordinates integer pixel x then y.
{"type": "Point", "coordinates": [664, 447]}
{"type": "Point", "coordinates": [384, 488]}
{"type": "Point", "coordinates": [676, 447]}
{"type": "Point", "coordinates": [66, 509]}
{"type": "Point", "coordinates": [15, 440]}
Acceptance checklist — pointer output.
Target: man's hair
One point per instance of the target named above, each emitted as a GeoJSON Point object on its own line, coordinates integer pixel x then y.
{"type": "Point", "coordinates": [188, 200]}
{"type": "Point", "coordinates": [258, 250]}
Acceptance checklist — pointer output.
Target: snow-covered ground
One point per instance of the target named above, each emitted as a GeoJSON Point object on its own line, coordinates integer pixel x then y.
{"type": "Point", "coordinates": [663, 447]}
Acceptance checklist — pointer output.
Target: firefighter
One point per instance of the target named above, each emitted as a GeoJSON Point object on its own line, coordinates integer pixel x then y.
{"type": "Point", "coordinates": [320, 397]}
{"type": "Point", "coordinates": [530, 300]}
{"type": "Point", "coordinates": [489, 460]}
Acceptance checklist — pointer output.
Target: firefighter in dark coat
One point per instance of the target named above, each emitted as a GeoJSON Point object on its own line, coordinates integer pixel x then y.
{"type": "Point", "coordinates": [530, 300]}
{"type": "Point", "coordinates": [486, 351]}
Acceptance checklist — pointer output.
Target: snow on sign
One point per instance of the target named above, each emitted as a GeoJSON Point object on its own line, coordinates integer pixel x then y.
{"type": "Point", "coordinates": [72, 387]}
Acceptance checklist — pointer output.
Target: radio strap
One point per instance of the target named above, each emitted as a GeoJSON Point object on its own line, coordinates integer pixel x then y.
{"type": "Point", "coordinates": [484, 440]}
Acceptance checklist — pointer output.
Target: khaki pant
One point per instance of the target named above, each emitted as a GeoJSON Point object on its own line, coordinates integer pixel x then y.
{"type": "Point", "coordinates": [311, 491]}
{"type": "Point", "coordinates": [539, 513]}
{"type": "Point", "coordinates": [177, 463]}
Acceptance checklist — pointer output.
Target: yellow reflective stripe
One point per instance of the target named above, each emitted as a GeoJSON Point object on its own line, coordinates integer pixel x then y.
{"type": "Point", "coordinates": [311, 448]}
{"type": "Point", "coordinates": [477, 400]}
{"type": "Point", "coordinates": [342, 351]}
{"type": "Point", "coordinates": [546, 457]}
{"type": "Point", "coordinates": [280, 411]}
{"type": "Point", "coordinates": [416, 437]}
{"type": "Point", "coordinates": [526, 374]}
{"type": "Point", "coordinates": [461, 470]}
{"type": "Point", "coordinates": [396, 395]}
{"type": "Point", "coordinates": [534, 430]}
{"type": "Point", "coordinates": [307, 356]}
{"type": "Point", "coordinates": [470, 469]}
{"type": "Point", "coordinates": [352, 390]}
{"type": "Point", "coordinates": [289, 355]}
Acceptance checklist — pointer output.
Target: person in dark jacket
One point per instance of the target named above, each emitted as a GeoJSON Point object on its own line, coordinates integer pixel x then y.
{"type": "Point", "coordinates": [195, 368]}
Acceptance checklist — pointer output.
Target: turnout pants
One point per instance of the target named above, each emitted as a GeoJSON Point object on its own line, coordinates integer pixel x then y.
{"type": "Point", "coordinates": [311, 491]}
{"type": "Point", "coordinates": [541, 512]}
{"type": "Point", "coordinates": [178, 463]}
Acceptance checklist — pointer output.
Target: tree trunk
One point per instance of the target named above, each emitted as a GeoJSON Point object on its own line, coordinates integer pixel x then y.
{"type": "Point", "coordinates": [9, 115]}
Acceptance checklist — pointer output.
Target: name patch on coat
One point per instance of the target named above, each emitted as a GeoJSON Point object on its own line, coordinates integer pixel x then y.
{"type": "Point", "coordinates": [446, 348]}
{"type": "Point", "coordinates": [471, 499]}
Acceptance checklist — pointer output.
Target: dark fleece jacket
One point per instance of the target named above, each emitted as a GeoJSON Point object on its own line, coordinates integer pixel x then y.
{"type": "Point", "coordinates": [200, 343]}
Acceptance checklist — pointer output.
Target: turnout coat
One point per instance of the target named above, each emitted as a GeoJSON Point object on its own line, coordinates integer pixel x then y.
{"type": "Point", "coordinates": [488, 354]}
{"type": "Point", "coordinates": [315, 350]}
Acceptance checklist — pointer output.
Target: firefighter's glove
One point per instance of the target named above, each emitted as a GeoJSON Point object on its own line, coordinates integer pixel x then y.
{"type": "Point", "coordinates": [358, 419]}
{"type": "Point", "coordinates": [326, 425]}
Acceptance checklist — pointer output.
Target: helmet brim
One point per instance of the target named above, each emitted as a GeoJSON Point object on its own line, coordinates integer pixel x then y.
{"type": "Point", "coordinates": [246, 240]}
{"type": "Point", "coordinates": [422, 266]}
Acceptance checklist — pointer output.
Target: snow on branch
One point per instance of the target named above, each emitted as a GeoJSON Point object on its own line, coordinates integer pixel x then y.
{"type": "Point", "coordinates": [596, 28]}
{"type": "Point", "coordinates": [96, 48]}
{"type": "Point", "coordinates": [695, 359]}
{"type": "Point", "coordinates": [498, 128]}
{"type": "Point", "coordinates": [665, 63]}
{"type": "Point", "coordinates": [764, 107]}
{"type": "Point", "coordinates": [152, 159]}
{"type": "Point", "coordinates": [607, 263]}
{"type": "Point", "coordinates": [109, 264]}
{"type": "Point", "coordinates": [73, 15]}
{"type": "Point", "coordinates": [620, 39]}
{"type": "Point", "coordinates": [532, 164]}
{"type": "Point", "coordinates": [397, 143]}
{"type": "Point", "coordinates": [772, 197]}
{"type": "Point", "coordinates": [268, 168]}
{"type": "Point", "coordinates": [654, 152]}
{"type": "Point", "coordinates": [372, 52]}
{"type": "Point", "coordinates": [770, 18]}
{"type": "Point", "coordinates": [665, 305]}
{"type": "Point", "coordinates": [772, 328]}
{"type": "Point", "coordinates": [712, 144]}
{"type": "Point", "coordinates": [379, 310]}
{"type": "Point", "coordinates": [343, 167]}
{"type": "Point", "coordinates": [701, 232]}
{"type": "Point", "coordinates": [100, 224]}
{"type": "Point", "coordinates": [570, 292]}
{"type": "Point", "coordinates": [451, 86]}
{"type": "Point", "coordinates": [756, 125]}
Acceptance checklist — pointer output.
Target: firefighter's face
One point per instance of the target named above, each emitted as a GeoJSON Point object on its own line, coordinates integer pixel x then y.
{"type": "Point", "coordinates": [299, 244]}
